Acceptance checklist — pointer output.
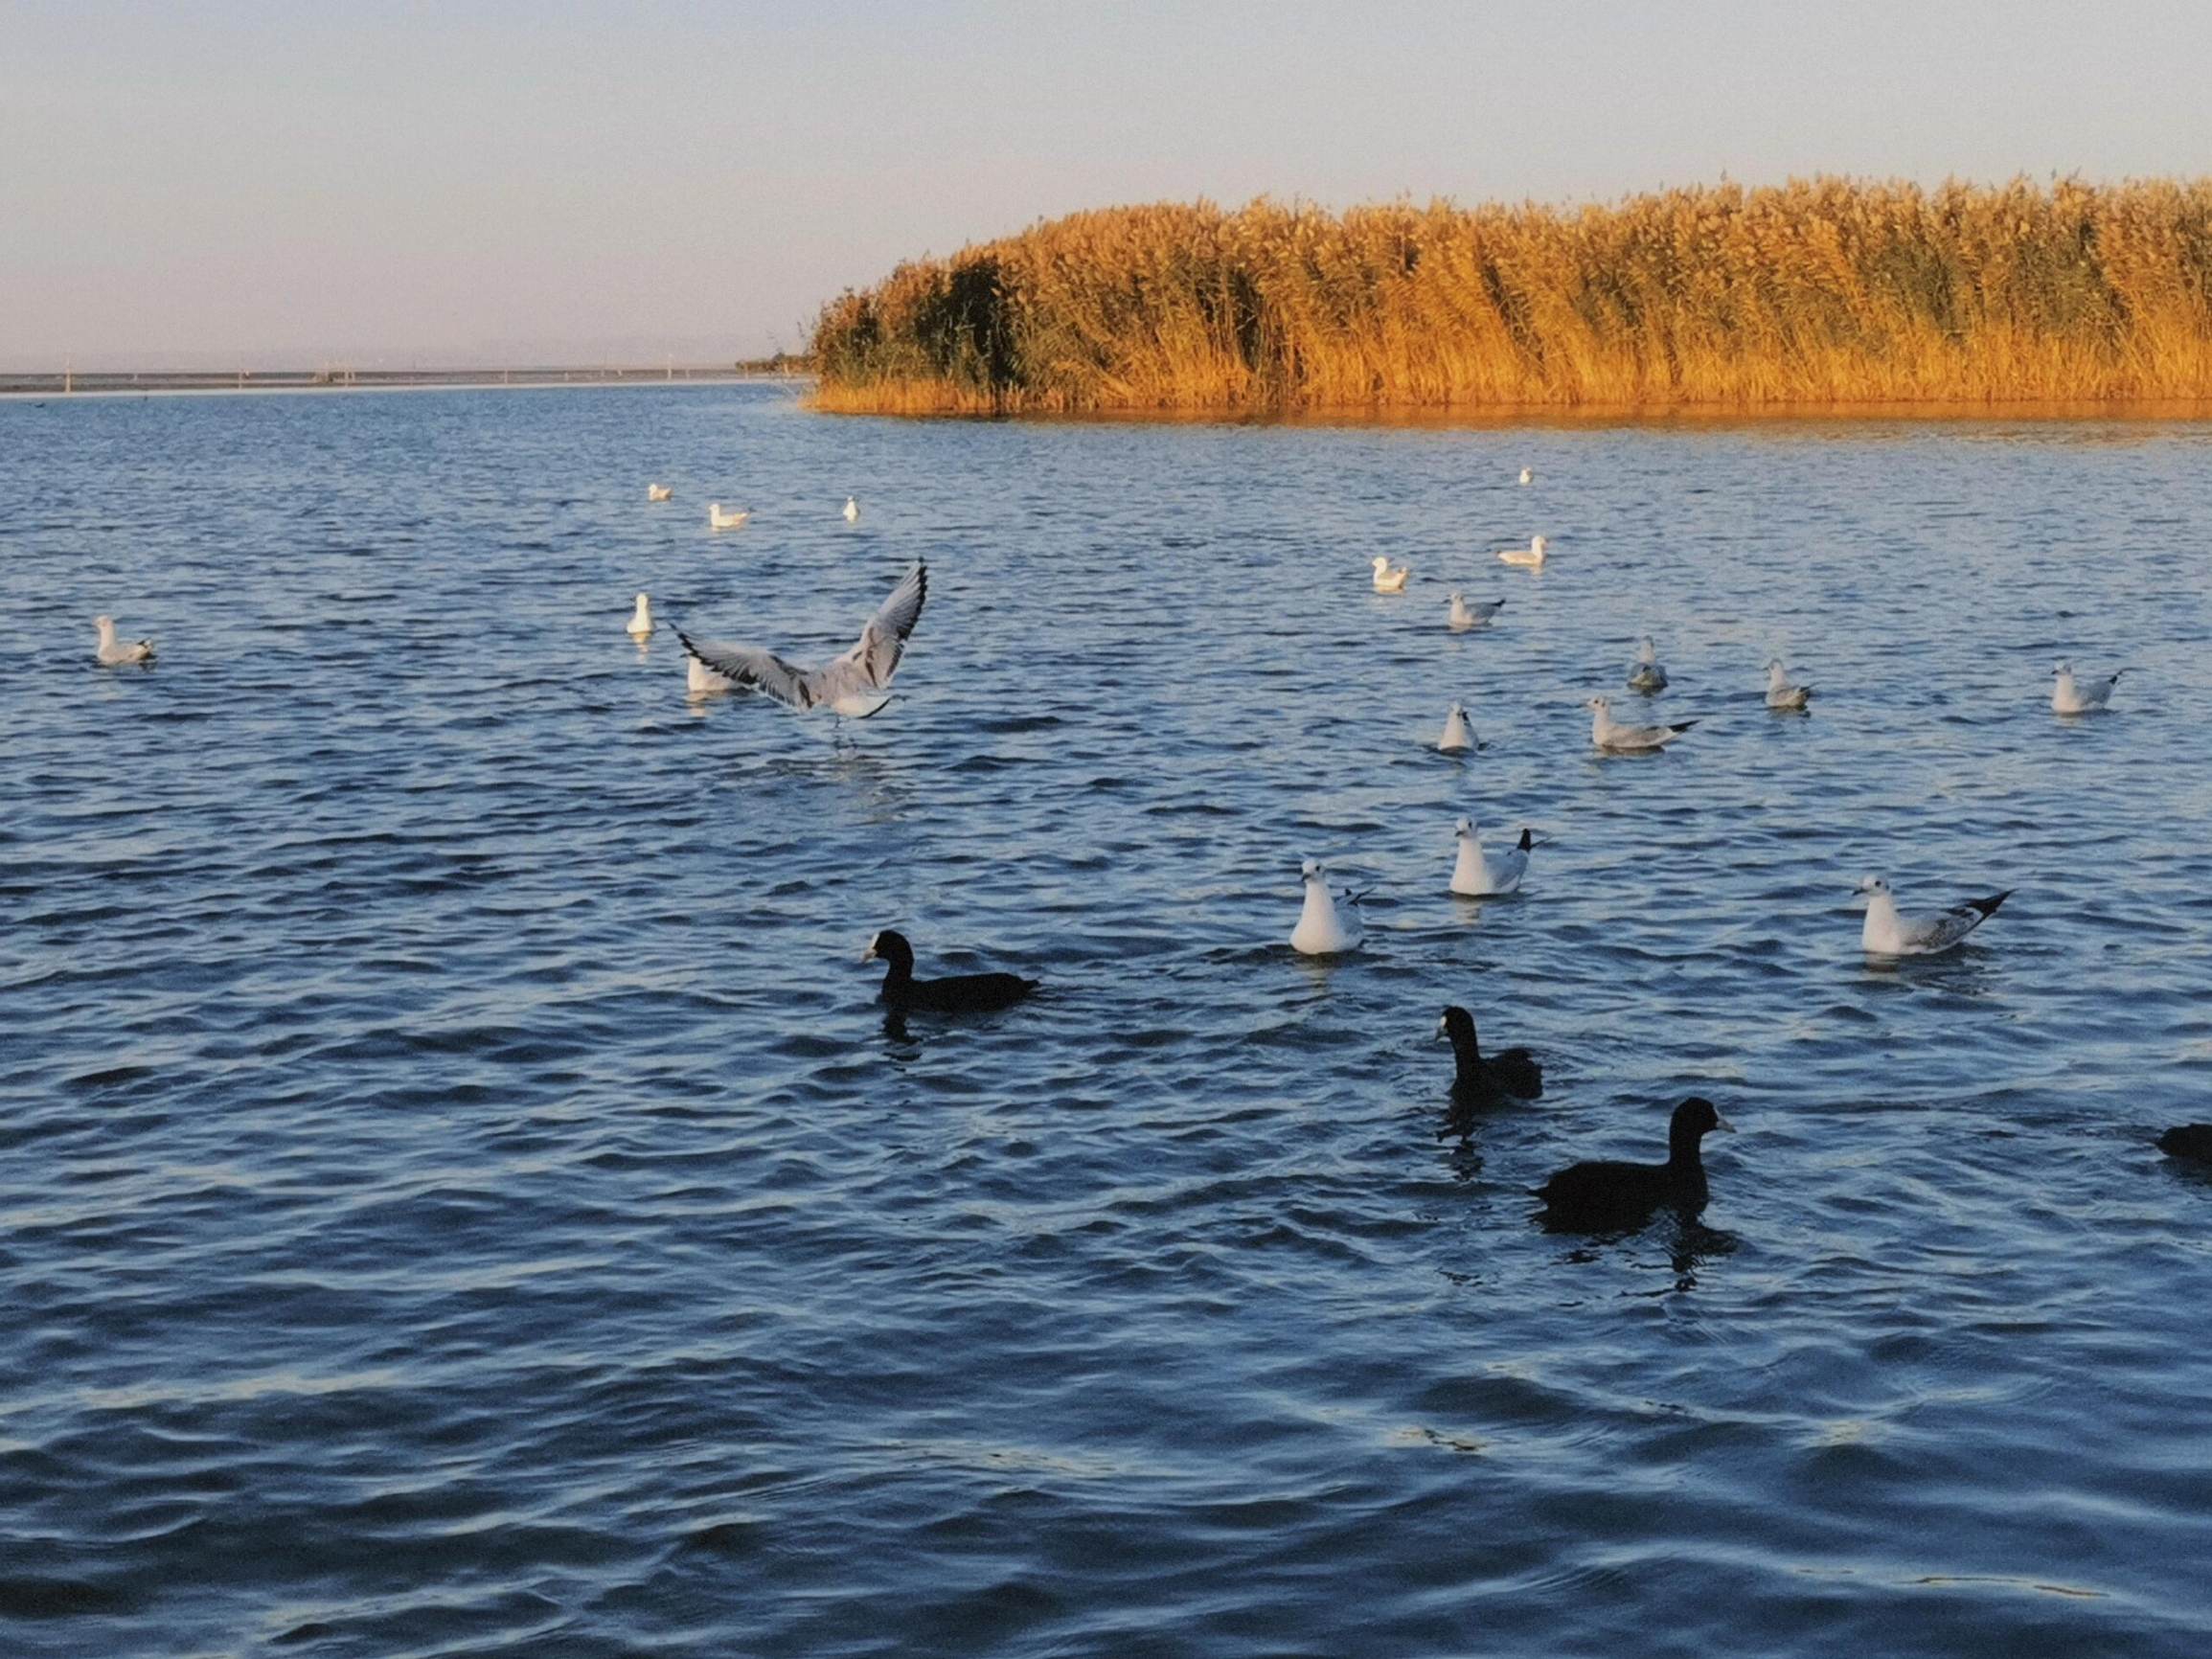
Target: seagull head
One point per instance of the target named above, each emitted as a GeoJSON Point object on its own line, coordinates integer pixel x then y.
{"type": "Point", "coordinates": [1870, 885]}
{"type": "Point", "coordinates": [1600, 701]}
{"type": "Point", "coordinates": [2064, 671]}
{"type": "Point", "coordinates": [1536, 544]}
{"type": "Point", "coordinates": [1464, 828]}
{"type": "Point", "coordinates": [1380, 563]}
{"type": "Point", "coordinates": [104, 624]}
{"type": "Point", "coordinates": [1647, 652]}
{"type": "Point", "coordinates": [1309, 871]}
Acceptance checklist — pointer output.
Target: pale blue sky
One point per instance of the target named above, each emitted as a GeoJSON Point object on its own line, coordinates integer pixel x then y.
{"type": "Point", "coordinates": [279, 184]}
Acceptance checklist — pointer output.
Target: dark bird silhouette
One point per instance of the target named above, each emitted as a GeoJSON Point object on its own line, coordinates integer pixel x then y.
{"type": "Point", "coordinates": [2190, 1141]}
{"type": "Point", "coordinates": [1514, 1073]}
{"type": "Point", "coordinates": [955, 993]}
{"type": "Point", "coordinates": [1614, 1197]}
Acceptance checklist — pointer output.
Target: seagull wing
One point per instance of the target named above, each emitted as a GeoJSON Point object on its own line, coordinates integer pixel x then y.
{"type": "Point", "coordinates": [1945, 928]}
{"type": "Point", "coordinates": [761, 670]}
{"type": "Point", "coordinates": [868, 667]}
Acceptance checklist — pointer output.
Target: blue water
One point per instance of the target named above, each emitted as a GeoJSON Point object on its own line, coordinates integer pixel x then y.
{"type": "Point", "coordinates": [456, 1193]}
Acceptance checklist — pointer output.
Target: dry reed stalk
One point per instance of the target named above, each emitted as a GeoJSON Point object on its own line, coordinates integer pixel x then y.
{"type": "Point", "coordinates": [1822, 291]}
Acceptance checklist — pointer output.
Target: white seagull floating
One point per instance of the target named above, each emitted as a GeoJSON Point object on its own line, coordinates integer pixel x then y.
{"type": "Point", "coordinates": [699, 680]}
{"type": "Point", "coordinates": [1478, 615]}
{"type": "Point", "coordinates": [1390, 577]}
{"type": "Point", "coordinates": [657, 493]}
{"type": "Point", "coordinates": [857, 685]}
{"type": "Point", "coordinates": [1478, 874]}
{"type": "Point", "coordinates": [1779, 693]}
{"type": "Point", "coordinates": [2071, 697]}
{"type": "Point", "coordinates": [1323, 930]}
{"type": "Point", "coordinates": [641, 619]}
{"type": "Point", "coordinates": [1458, 738]}
{"type": "Point", "coordinates": [1526, 476]}
{"type": "Point", "coordinates": [112, 653]}
{"type": "Point", "coordinates": [1532, 555]}
{"type": "Point", "coordinates": [1889, 934]}
{"type": "Point", "coordinates": [1649, 675]}
{"type": "Point", "coordinates": [1607, 732]}
{"type": "Point", "coordinates": [717, 519]}
{"type": "Point", "coordinates": [852, 510]}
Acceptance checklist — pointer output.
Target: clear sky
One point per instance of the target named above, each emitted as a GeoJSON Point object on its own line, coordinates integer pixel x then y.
{"type": "Point", "coordinates": [228, 181]}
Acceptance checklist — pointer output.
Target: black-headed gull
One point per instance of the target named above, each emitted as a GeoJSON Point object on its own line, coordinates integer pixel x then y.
{"type": "Point", "coordinates": [1478, 615]}
{"type": "Point", "coordinates": [1607, 732]}
{"type": "Point", "coordinates": [1330, 923]}
{"type": "Point", "coordinates": [857, 685]}
{"type": "Point", "coordinates": [1779, 693]}
{"type": "Point", "coordinates": [1480, 875]}
{"type": "Point", "coordinates": [1889, 932]}
{"type": "Point", "coordinates": [1649, 675]}
{"type": "Point", "coordinates": [112, 652]}
{"type": "Point", "coordinates": [2072, 697]}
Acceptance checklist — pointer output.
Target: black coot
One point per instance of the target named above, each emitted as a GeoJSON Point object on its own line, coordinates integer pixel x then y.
{"type": "Point", "coordinates": [2189, 1141]}
{"type": "Point", "coordinates": [1514, 1073]}
{"type": "Point", "coordinates": [955, 993]}
{"type": "Point", "coordinates": [1609, 1195]}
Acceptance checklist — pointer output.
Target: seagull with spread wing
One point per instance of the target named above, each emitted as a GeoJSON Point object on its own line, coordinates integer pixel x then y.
{"type": "Point", "coordinates": [857, 685]}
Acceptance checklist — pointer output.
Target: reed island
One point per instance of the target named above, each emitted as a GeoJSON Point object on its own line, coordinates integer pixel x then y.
{"type": "Point", "coordinates": [1822, 293]}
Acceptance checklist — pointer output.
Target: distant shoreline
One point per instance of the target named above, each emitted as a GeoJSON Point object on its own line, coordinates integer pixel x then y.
{"type": "Point", "coordinates": [65, 383]}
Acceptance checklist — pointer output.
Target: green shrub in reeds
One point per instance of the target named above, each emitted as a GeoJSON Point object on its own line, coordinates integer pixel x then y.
{"type": "Point", "coordinates": [1826, 291]}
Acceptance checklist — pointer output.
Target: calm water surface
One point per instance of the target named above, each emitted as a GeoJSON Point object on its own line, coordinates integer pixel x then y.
{"type": "Point", "coordinates": [456, 1193]}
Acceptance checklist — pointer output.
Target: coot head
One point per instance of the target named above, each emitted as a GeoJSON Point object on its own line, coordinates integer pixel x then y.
{"type": "Point", "coordinates": [890, 947]}
{"type": "Point", "coordinates": [1458, 1025]}
{"type": "Point", "coordinates": [1693, 1120]}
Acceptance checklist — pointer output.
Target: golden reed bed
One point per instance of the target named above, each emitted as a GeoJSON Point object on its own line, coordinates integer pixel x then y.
{"type": "Point", "coordinates": [1822, 293]}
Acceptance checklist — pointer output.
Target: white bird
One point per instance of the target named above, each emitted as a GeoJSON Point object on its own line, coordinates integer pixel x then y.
{"type": "Point", "coordinates": [1779, 693]}
{"type": "Point", "coordinates": [1458, 738]}
{"type": "Point", "coordinates": [2071, 697]}
{"type": "Point", "coordinates": [1532, 555]}
{"type": "Point", "coordinates": [1323, 930]}
{"type": "Point", "coordinates": [1649, 675]}
{"type": "Point", "coordinates": [657, 493]}
{"type": "Point", "coordinates": [1478, 615]}
{"type": "Point", "coordinates": [1607, 732]}
{"type": "Point", "coordinates": [717, 519]}
{"type": "Point", "coordinates": [857, 685]}
{"type": "Point", "coordinates": [699, 679]}
{"type": "Point", "coordinates": [852, 510]}
{"type": "Point", "coordinates": [1526, 476]}
{"type": "Point", "coordinates": [641, 619]}
{"type": "Point", "coordinates": [1889, 934]}
{"type": "Point", "coordinates": [1390, 577]}
{"type": "Point", "coordinates": [112, 652]}
{"type": "Point", "coordinates": [1479, 875]}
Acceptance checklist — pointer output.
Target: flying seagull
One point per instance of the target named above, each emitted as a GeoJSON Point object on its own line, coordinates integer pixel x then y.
{"type": "Point", "coordinates": [856, 685]}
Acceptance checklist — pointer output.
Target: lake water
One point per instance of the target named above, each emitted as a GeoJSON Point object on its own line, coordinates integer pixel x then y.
{"type": "Point", "coordinates": [457, 1192]}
